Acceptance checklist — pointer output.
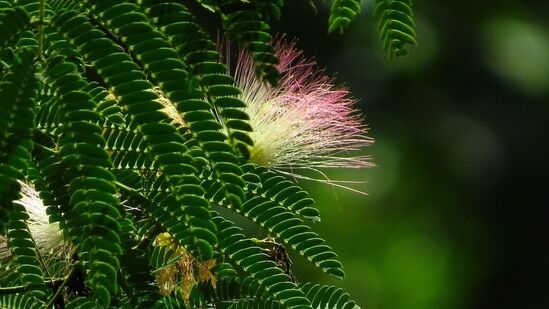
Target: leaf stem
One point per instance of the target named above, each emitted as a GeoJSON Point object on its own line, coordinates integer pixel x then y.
{"type": "Point", "coordinates": [41, 32]}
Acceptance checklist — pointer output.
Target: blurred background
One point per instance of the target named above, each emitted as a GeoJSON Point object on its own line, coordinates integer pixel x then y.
{"type": "Point", "coordinates": [454, 212]}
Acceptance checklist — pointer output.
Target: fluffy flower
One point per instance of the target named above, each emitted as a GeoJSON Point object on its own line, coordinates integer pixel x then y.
{"type": "Point", "coordinates": [306, 122]}
{"type": "Point", "coordinates": [47, 236]}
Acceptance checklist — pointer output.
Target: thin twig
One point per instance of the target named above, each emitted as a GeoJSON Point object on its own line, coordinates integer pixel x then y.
{"type": "Point", "coordinates": [41, 260]}
{"type": "Point", "coordinates": [23, 288]}
{"type": "Point", "coordinates": [63, 285]}
{"type": "Point", "coordinates": [41, 32]}
{"type": "Point", "coordinates": [127, 188]}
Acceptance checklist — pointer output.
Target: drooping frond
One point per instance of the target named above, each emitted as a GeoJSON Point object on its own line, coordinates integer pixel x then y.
{"type": "Point", "coordinates": [200, 55]}
{"type": "Point", "coordinates": [94, 215]}
{"type": "Point", "coordinates": [136, 95]}
{"type": "Point", "coordinates": [342, 13]}
{"type": "Point", "coordinates": [396, 25]}
{"type": "Point", "coordinates": [17, 104]}
{"type": "Point", "coordinates": [255, 263]}
{"type": "Point", "coordinates": [248, 27]}
{"type": "Point", "coordinates": [327, 296]}
{"type": "Point", "coordinates": [282, 191]}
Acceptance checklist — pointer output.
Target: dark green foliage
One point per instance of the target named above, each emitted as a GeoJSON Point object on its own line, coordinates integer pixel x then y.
{"type": "Point", "coordinates": [123, 115]}
{"type": "Point", "coordinates": [94, 208]}
{"type": "Point", "coordinates": [17, 91]}
{"type": "Point", "coordinates": [12, 21]}
{"type": "Point", "coordinates": [269, 8]}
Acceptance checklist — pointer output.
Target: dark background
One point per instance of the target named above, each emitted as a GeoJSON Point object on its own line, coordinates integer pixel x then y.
{"type": "Point", "coordinates": [455, 212]}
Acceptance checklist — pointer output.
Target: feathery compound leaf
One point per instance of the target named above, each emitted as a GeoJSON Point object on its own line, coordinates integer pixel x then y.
{"type": "Point", "coordinates": [293, 232]}
{"type": "Point", "coordinates": [136, 94]}
{"type": "Point", "coordinates": [272, 204]}
{"type": "Point", "coordinates": [24, 250]}
{"type": "Point", "coordinates": [17, 94]}
{"type": "Point", "coordinates": [256, 264]}
{"type": "Point", "coordinates": [396, 25]}
{"type": "Point", "coordinates": [321, 296]}
{"type": "Point", "coordinates": [200, 54]}
{"type": "Point", "coordinates": [138, 285]}
{"type": "Point", "coordinates": [18, 301]}
{"type": "Point", "coordinates": [95, 210]}
{"type": "Point", "coordinates": [161, 61]}
{"type": "Point", "coordinates": [54, 191]}
{"type": "Point", "coordinates": [249, 29]}
{"type": "Point", "coordinates": [279, 189]}
{"type": "Point", "coordinates": [342, 13]}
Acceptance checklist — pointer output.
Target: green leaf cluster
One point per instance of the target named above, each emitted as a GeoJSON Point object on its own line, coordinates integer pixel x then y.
{"type": "Point", "coordinates": [124, 118]}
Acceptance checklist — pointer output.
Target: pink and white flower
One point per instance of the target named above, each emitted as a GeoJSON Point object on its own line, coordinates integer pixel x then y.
{"type": "Point", "coordinates": [306, 122]}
